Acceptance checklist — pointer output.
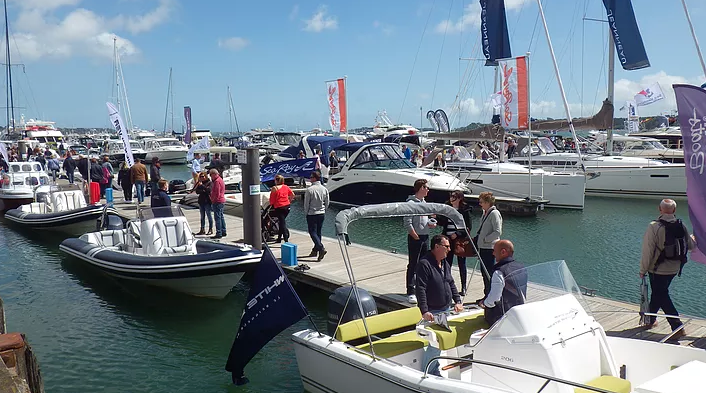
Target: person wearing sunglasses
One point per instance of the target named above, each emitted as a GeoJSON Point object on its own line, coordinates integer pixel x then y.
{"type": "Point", "coordinates": [417, 236]}
{"type": "Point", "coordinates": [457, 234]}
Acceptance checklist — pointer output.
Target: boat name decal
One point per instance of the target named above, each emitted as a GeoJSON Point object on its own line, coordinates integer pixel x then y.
{"type": "Point", "coordinates": [252, 302]}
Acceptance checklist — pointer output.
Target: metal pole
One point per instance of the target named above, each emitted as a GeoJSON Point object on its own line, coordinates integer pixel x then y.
{"type": "Point", "coordinates": [252, 229]}
{"type": "Point", "coordinates": [529, 127]}
{"type": "Point", "coordinates": [693, 34]}
{"type": "Point", "coordinates": [611, 91]}
{"type": "Point", "coordinates": [561, 85]}
{"type": "Point", "coordinates": [9, 73]}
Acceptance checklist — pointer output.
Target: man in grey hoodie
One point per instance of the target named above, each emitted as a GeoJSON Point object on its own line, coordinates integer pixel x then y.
{"type": "Point", "coordinates": [417, 236]}
{"type": "Point", "coordinates": [315, 205]}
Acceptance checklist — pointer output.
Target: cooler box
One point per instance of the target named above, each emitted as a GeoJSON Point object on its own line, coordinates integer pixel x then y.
{"type": "Point", "coordinates": [289, 254]}
{"type": "Point", "coordinates": [95, 193]}
{"type": "Point", "coordinates": [109, 195]}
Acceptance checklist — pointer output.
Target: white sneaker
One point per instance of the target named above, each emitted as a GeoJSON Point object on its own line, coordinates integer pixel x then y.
{"type": "Point", "coordinates": [412, 299]}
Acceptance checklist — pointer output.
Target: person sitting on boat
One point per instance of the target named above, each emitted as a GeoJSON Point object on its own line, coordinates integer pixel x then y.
{"type": "Point", "coordinates": [435, 289]}
{"type": "Point", "coordinates": [160, 198]}
{"type": "Point", "coordinates": [508, 286]}
{"type": "Point", "coordinates": [217, 163]}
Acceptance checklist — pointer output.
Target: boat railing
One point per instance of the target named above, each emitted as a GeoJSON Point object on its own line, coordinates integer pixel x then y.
{"type": "Point", "coordinates": [548, 378]}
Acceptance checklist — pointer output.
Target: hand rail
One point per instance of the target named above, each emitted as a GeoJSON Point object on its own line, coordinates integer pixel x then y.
{"type": "Point", "coordinates": [548, 378]}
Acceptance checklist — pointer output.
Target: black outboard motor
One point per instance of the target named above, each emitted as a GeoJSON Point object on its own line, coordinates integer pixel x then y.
{"type": "Point", "coordinates": [337, 302]}
{"type": "Point", "coordinates": [108, 222]}
{"type": "Point", "coordinates": [176, 185]}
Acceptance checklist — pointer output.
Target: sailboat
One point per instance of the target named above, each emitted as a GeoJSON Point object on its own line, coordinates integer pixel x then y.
{"type": "Point", "coordinates": [167, 149]}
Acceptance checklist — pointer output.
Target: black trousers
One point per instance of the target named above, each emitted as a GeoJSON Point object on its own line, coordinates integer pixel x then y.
{"type": "Point", "coordinates": [281, 213]}
{"type": "Point", "coordinates": [127, 191]}
{"type": "Point", "coordinates": [486, 255]}
{"type": "Point", "coordinates": [660, 298]}
{"type": "Point", "coordinates": [415, 250]}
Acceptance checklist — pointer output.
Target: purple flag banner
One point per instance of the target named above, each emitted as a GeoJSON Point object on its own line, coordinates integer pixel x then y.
{"type": "Point", "coordinates": [691, 103]}
{"type": "Point", "coordinates": [187, 117]}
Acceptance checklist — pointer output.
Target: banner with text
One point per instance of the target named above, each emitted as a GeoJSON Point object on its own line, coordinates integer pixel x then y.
{"type": "Point", "coordinates": [633, 117]}
{"type": "Point", "coordinates": [442, 120]}
{"type": "Point", "coordinates": [493, 30]}
{"type": "Point", "coordinates": [3, 151]}
{"type": "Point", "coordinates": [202, 144]}
{"type": "Point", "coordinates": [649, 95]}
{"type": "Point", "coordinates": [336, 93]}
{"type": "Point", "coordinates": [117, 121]}
{"type": "Point", "coordinates": [290, 168]}
{"type": "Point", "coordinates": [515, 110]}
{"type": "Point", "coordinates": [691, 104]}
{"type": "Point", "coordinates": [187, 118]}
{"type": "Point", "coordinates": [626, 35]}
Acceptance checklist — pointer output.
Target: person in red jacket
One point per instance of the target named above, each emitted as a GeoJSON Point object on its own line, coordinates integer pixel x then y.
{"type": "Point", "coordinates": [281, 197]}
{"type": "Point", "coordinates": [218, 200]}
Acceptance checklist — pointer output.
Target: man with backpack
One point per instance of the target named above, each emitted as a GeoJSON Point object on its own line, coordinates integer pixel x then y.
{"type": "Point", "coordinates": [664, 253]}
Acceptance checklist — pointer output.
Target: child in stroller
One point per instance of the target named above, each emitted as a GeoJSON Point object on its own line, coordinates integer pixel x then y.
{"type": "Point", "coordinates": [269, 223]}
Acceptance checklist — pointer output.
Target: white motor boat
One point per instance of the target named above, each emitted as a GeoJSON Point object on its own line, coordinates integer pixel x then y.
{"type": "Point", "coordinates": [549, 342]}
{"type": "Point", "coordinates": [159, 249]}
{"type": "Point", "coordinates": [561, 189]}
{"type": "Point", "coordinates": [17, 186]}
{"type": "Point", "coordinates": [379, 173]}
{"type": "Point", "coordinates": [613, 176]}
{"type": "Point", "coordinates": [168, 150]}
{"type": "Point", "coordinates": [115, 150]}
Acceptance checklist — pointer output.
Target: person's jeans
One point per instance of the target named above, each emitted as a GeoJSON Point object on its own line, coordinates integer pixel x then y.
{"type": "Point", "coordinates": [462, 270]}
{"type": "Point", "coordinates": [153, 187]}
{"type": "Point", "coordinates": [70, 176]}
{"type": "Point", "coordinates": [660, 298]}
{"type": "Point", "coordinates": [206, 211]}
{"type": "Point", "coordinates": [486, 255]}
{"type": "Point", "coordinates": [314, 224]}
{"type": "Point", "coordinates": [281, 213]}
{"type": "Point", "coordinates": [431, 352]}
{"type": "Point", "coordinates": [54, 172]}
{"type": "Point", "coordinates": [140, 190]}
{"type": "Point", "coordinates": [219, 218]}
{"type": "Point", "coordinates": [415, 250]}
{"type": "Point", "coordinates": [103, 186]}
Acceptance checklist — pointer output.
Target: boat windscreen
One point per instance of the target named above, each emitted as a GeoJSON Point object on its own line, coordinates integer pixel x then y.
{"type": "Point", "coordinates": [164, 211]}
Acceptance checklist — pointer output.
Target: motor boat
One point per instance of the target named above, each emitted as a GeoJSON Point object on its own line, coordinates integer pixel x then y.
{"type": "Point", "coordinates": [17, 186]}
{"type": "Point", "coordinates": [115, 150]}
{"type": "Point", "coordinates": [379, 173]}
{"type": "Point", "coordinates": [562, 189]}
{"type": "Point", "coordinates": [631, 146]}
{"type": "Point", "coordinates": [158, 248]}
{"type": "Point", "coordinates": [168, 150]}
{"type": "Point", "coordinates": [610, 176]}
{"type": "Point", "coordinates": [549, 341]}
{"type": "Point", "coordinates": [61, 208]}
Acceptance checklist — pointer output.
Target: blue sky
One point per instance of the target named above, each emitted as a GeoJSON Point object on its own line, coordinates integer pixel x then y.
{"type": "Point", "coordinates": [276, 55]}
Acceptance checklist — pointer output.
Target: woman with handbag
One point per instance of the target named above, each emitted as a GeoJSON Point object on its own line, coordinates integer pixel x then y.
{"type": "Point", "coordinates": [489, 232]}
{"type": "Point", "coordinates": [459, 237]}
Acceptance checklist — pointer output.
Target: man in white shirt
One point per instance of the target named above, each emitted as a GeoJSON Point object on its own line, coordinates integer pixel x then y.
{"type": "Point", "coordinates": [508, 286]}
{"type": "Point", "coordinates": [196, 167]}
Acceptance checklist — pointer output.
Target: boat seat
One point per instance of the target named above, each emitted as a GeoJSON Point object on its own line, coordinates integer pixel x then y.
{"type": "Point", "coordinates": [386, 322]}
{"type": "Point", "coordinates": [461, 330]}
{"type": "Point", "coordinates": [34, 208]}
{"type": "Point", "coordinates": [170, 235]}
{"type": "Point", "coordinates": [133, 234]}
{"type": "Point", "coordinates": [607, 382]}
{"type": "Point", "coordinates": [108, 239]}
{"type": "Point", "coordinates": [396, 345]}
{"type": "Point", "coordinates": [67, 200]}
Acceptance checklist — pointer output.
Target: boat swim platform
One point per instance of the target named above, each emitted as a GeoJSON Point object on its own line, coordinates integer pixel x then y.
{"type": "Point", "coordinates": [382, 274]}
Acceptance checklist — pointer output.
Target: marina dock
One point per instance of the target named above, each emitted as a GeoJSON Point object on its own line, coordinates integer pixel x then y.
{"type": "Point", "coordinates": [382, 274]}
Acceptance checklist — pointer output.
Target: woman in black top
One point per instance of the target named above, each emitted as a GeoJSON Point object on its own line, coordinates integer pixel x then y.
{"type": "Point", "coordinates": [124, 181]}
{"type": "Point", "coordinates": [203, 189]}
{"type": "Point", "coordinates": [455, 234]}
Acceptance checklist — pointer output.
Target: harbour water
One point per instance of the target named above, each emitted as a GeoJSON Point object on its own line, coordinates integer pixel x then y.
{"type": "Point", "coordinates": [94, 333]}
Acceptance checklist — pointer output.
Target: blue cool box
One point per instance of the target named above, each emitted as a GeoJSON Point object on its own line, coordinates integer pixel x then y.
{"type": "Point", "coordinates": [289, 254]}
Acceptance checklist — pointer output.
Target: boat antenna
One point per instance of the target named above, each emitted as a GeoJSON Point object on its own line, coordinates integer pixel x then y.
{"type": "Point", "coordinates": [10, 102]}
{"type": "Point", "coordinates": [166, 110]}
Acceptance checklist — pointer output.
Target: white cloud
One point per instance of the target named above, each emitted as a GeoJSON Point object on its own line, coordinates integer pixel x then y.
{"type": "Point", "coordinates": [294, 12]}
{"type": "Point", "coordinates": [40, 32]}
{"type": "Point", "coordinates": [385, 28]}
{"type": "Point", "coordinates": [626, 89]}
{"type": "Point", "coordinates": [542, 108]}
{"type": "Point", "coordinates": [320, 21]}
{"type": "Point", "coordinates": [469, 107]}
{"type": "Point", "coordinates": [233, 43]}
{"type": "Point", "coordinates": [471, 17]}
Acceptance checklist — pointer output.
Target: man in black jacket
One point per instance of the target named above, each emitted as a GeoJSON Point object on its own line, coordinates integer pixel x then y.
{"type": "Point", "coordinates": [159, 197]}
{"type": "Point", "coordinates": [69, 167]}
{"type": "Point", "coordinates": [435, 289]}
{"type": "Point", "coordinates": [155, 175]}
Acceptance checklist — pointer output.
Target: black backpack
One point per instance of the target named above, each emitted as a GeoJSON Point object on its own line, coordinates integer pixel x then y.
{"type": "Point", "coordinates": [675, 243]}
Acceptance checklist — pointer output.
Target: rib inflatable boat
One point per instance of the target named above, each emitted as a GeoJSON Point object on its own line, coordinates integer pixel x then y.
{"type": "Point", "coordinates": [159, 249]}
{"type": "Point", "coordinates": [62, 209]}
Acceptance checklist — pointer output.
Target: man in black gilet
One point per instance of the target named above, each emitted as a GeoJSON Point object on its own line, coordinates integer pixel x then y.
{"type": "Point", "coordinates": [508, 286]}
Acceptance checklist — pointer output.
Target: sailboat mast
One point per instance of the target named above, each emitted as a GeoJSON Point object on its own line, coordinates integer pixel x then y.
{"type": "Point", "coordinates": [611, 91]}
{"type": "Point", "coordinates": [688, 19]}
{"type": "Point", "coordinates": [561, 85]}
{"type": "Point", "coordinates": [232, 108]}
{"type": "Point", "coordinates": [115, 69]}
{"type": "Point", "coordinates": [230, 112]}
{"type": "Point", "coordinates": [171, 89]}
{"type": "Point", "coordinates": [10, 100]}
{"type": "Point", "coordinates": [166, 109]}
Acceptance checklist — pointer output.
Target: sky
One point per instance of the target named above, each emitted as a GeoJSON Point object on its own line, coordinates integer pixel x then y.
{"type": "Point", "coordinates": [398, 56]}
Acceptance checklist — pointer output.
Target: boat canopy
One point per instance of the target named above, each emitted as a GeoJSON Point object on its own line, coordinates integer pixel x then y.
{"type": "Point", "coordinates": [396, 209]}
{"type": "Point", "coordinates": [325, 143]}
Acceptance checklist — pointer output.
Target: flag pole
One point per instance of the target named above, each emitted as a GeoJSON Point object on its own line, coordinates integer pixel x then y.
{"type": "Point", "coordinates": [693, 34]}
{"type": "Point", "coordinates": [561, 85]}
{"type": "Point", "coordinates": [345, 91]}
{"type": "Point", "coordinates": [529, 127]}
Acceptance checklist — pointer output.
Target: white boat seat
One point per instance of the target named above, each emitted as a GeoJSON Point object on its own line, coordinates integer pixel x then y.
{"type": "Point", "coordinates": [169, 235]}
{"type": "Point", "coordinates": [67, 200]}
{"type": "Point", "coordinates": [111, 239]}
{"type": "Point", "coordinates": [133, 234]}
{"type": "Point", "coordinates": [34, 208]}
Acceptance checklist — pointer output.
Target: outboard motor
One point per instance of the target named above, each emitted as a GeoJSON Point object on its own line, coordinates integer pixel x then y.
{"type": "Point", "coordinates": [337, 304]}
{"type": "Point", "coordinates": [108, 222]}
{"type": "Point", "coordinates": [176, 185]}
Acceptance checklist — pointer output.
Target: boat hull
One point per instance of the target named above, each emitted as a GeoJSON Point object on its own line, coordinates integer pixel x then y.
{"type": "Point", "coordinates": [8, 203]}
{"type": "Point", "coordinates": [212, 272]}
{"type": "Point", "coordinates": [167, 156]}
{"type": "Point", "coordinates": [72, 222]}
{"type": "Point", "coordinates": [667, 181]}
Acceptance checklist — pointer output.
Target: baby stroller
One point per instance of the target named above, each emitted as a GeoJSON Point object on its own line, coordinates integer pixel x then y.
{"type": "Point", "coordinates": [269, 223]}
